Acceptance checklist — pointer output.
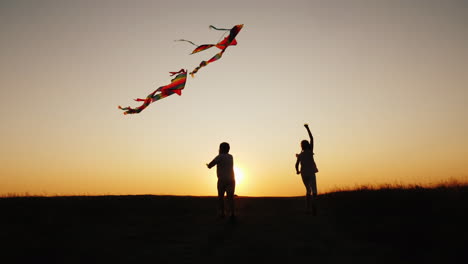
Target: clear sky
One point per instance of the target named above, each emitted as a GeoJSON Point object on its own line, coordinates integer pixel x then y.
{"type": "Point", "coordinates": [382, 84]}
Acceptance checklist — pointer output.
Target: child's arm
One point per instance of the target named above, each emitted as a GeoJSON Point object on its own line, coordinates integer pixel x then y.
{"type": "Point", "coordinates": [212, 163]}
{"type": "Point", "coordinates": [311, 137]}
{"type": "Point", "coordinates": [297, 164]}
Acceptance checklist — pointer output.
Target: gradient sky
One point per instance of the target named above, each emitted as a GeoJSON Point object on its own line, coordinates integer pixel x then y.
{"type": "Point", "coordinates": [383, 85]}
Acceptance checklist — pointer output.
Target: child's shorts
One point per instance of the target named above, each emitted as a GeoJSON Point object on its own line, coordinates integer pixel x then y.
{"type": "Point", "coordinates": [226, 186]}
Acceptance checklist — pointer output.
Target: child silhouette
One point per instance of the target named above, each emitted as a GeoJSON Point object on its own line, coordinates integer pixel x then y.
{"type": "Point", "coordinates": [226, 182]}
{"type": "Point", "coordinates": [308, 170]}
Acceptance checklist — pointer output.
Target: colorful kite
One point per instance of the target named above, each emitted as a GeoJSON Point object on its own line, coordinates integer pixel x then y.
{"type": "Point", "coordinates": [176, 86]}
{"type": "Point", "coordinates": [178, 83]}
{"type": "Point", "coordinates": [226, 42]}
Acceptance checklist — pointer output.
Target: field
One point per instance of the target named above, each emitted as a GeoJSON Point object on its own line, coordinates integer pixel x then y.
{"type": "Point", "coordinates": [388, 225]}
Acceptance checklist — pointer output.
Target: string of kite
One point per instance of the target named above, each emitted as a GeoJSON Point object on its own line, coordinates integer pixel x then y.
{"type": "Point", "coordinates": [178, 82]}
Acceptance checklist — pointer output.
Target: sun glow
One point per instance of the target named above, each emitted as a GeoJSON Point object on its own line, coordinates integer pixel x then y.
{"type": "Point", "coordinates": [239, 174]}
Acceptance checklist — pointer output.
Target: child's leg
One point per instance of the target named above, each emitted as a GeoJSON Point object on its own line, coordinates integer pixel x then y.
{"type": "Point", "coordinates": [230, 197]}
{"type": "Point", "coordinates": [221, 190]}
{"type": "Point", "coordinates": [306, 181]}
{"type": "Point", "coordinates": [313, 186]}
{"type": "Point", "coordinates": [308, 200]}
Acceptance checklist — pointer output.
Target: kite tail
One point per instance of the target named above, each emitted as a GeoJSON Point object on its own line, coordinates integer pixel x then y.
{"type": "Point", "coordinates": [204, 63]}
{"type": "Point", "coordinates": [199, 47]}
{"type": "Point", "coordinates": [181, 71]}
{"type": "Point", "coordinates": [215, 28]}
{"type": "Point", "coordinates": [176, 86]}
{"type": "Point", "coordinates": [128, 110]}
{"type": "Point", "coordinates": [160, 96]}
{"type": "Point", "coordinates": [186, 41]}
{"type": "Point", "coordinates": [202, 48]}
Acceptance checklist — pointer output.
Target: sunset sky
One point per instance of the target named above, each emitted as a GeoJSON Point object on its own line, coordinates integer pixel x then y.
{"type": "Point", "coordinates": [382, 84]}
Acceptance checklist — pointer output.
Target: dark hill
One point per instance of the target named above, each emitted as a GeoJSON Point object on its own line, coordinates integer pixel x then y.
{"type": "Point", "coordinates": [366, 226]}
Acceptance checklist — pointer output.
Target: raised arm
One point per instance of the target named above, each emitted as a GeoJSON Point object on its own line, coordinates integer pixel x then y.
{"type": "Point", "coordinates": [311, 137]}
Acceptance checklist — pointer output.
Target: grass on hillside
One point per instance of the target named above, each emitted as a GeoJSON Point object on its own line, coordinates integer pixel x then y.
{"type": "Point", "coordinates": [366, 225]}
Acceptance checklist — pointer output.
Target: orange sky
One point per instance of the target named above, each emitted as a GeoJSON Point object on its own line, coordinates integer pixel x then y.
{"type": "Point", "coordinates": [381, 83]}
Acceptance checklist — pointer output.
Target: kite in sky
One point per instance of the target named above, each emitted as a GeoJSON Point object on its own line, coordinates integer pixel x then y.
{"type": "Point", "coordinates": [226, 42]}
{"type": "Point", "coordinates": [176, 86]}
{"type": "Point", "coordinates": [178, 83]}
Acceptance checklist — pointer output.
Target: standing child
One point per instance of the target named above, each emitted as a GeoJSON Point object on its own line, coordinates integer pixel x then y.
{"type": "Point", "coordinates": [307, 171]}
{"type": "Point", "coordinates": [226, 181]}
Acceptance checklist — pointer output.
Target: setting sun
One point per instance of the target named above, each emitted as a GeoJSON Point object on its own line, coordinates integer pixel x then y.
{"type": "Point", "coordinates": [239, 174]}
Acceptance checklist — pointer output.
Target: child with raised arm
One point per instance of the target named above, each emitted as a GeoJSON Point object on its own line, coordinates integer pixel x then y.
{"type": "Point", "coordinates": [308, 170]}
{"type": "Point", "coordinates": [226, 182]}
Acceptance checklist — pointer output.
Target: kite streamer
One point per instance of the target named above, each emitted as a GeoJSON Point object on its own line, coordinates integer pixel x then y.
{"type": "Point", "coordinates": [175, 87]}
{"type": "Point", "coordinates": [226, 42]}
{"type": "Point", "coordinates": [213, 27]}
{"type": "Point", "coordinates": [222, 45]}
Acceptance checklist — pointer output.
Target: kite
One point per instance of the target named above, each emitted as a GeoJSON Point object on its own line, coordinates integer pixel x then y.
{"type": "Point", "coordinates": [176, 86]}
{"type": "Point", "coordinates": [178, 83]}
{"type": "Point", "coordinates": [226, 42]}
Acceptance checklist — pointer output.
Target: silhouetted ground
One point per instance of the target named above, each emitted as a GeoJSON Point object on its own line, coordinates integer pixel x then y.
{"type": "Point", "coordinates": [366, 226]}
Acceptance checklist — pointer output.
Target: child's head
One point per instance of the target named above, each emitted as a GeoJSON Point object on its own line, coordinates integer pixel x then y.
{"type": "Point", "coordinates": [224, 148]}
{"type": "Point", "coordinates": [305, 145]}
